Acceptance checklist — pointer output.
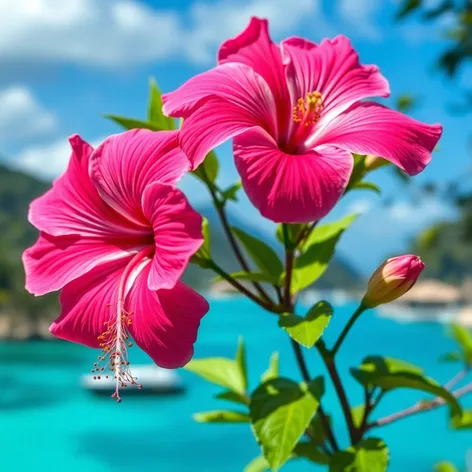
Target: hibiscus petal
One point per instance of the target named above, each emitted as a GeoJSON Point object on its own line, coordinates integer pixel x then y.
{"type": "Point", "coordinates": [177, 233]}
{"type": "Point", "coordinates": [290, 188]}
{"type": "Point", "coordinates": [165, 322]}
{"type": "Point", "coordinates": [124, 164]}
{"type": "Point", "coordinates": [73, 205]}
{"type": "Point", "coordinates": [370, 128]}
{"type": "Point", "coordinates": [255, 48]}
{"type": "Point", "coordinates": [218, 105]}
{"type": "Point", "coordinates": [55, 261]}
{"type": "Point", "coordinates": [210, 125]}
{"type": "Point", "coordinates": [333, 69]}
{"type": "Point", "coordinates": [88, 303]}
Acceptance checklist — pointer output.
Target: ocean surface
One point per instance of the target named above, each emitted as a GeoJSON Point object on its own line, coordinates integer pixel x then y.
{"type": "Point", "coordinates": [49, 423]}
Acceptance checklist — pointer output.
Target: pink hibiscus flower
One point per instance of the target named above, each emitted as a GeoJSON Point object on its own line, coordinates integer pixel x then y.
{"type": "Point", "coordinates": [116, 236]}
{"type": "Point", "coordinates": [296, 114]}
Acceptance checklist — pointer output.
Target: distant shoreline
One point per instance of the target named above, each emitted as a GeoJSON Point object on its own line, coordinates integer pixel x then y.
{"type": "Point", "coordinates": [460, 315]}
{"type": "Point", "coordinates": [22, 329]}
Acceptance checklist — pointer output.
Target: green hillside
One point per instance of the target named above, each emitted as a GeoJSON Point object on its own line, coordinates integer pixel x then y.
{"type": "Point", "coordinates": [446, 248]}
{"type": "Point", "coordinates": [16, 191]}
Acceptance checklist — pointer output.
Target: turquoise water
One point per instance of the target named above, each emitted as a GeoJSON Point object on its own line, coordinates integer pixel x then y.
{"type": "Point", "coordinates": [48, 423]}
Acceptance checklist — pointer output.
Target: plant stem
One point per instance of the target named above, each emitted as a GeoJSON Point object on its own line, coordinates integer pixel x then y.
{"type": "Point", "coordinates": [229, 234]}
{"type": "Point", "coordinates": [457, 378]}
{"type": "Point", "coordinates": [419, 407]}
{"type": "Point", "coordinates": [306, 377]}
{"type": "Point", "coordinates": [288, 305]}
{"type": "Point", "coordinates": [360, 309]}
{"type": "Point", "coordinates": [279, 294]}
{"type": "Point", "coordinates": [306, 233]}
{"type": "Point", "coordinates": [328, 360]}
{"type": "Point", "coordinates": [288, 281]}
{"type": "Point", "coordinates": [269, 306]}
{"type": "Point", "coordinates": [368, 393]}
{"type": "Point", "coordinates": [300, 361]}
{"type": "Point", "coordinates": [288, 269]}
{"type": "Point", "coordinates": [370, 405]}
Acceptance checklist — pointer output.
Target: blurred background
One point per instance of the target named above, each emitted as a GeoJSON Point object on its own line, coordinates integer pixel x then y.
{"type": "Point", "coordinates": [63, 65]}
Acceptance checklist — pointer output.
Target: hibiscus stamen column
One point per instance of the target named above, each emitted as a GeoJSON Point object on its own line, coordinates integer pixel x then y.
{"type": "Point", "coordinates": [115, 340]}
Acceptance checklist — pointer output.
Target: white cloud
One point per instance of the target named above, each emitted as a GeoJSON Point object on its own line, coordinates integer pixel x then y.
{"type": "Point", "coordinates": [46, 162]}
{"type": "Point", "coordinates": [360, 206]}
{"type": "Point", "coordinates": [215, 22]}
{"type": "Point", "coordinates": [104, 32]}
{"type": "Point", "coordinates": [121, 32]}
{"type": "Point", "coordinates": [426, 212]}
{"type": "Point", "coordinates": [361, 15]}
{"type": "Point", "coordinates": [21, 116]}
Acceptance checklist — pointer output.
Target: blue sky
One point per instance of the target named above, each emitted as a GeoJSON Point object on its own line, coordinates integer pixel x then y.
{"type": "Point", "coordinates": [64, 64]}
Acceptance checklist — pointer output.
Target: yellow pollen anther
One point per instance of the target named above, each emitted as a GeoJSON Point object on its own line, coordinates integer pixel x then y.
{"type": "Point", "coordinates": [308, 109]}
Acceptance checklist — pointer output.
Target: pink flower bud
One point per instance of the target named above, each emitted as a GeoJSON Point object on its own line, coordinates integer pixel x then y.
{"type": "Point", "coordinates": [392, 280]}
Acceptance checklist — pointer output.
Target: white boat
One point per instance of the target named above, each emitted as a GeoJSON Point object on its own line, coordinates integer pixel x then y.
{"type": "Point", "coordinates": [153, 379]}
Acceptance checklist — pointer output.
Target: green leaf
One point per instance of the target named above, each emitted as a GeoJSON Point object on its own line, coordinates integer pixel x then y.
{"type": "Point", "coordinates": [450, 357]}
{"type": "Point", "coordinates": [463, 338]}
{"type": "Point", "coordinates": [263, 255]}
{"type": "Point", "coordinates": [221, 416]}
{"type": "Point", "coordinates": [259, 464]}
{"type": "Point", "coordinates": [253, 277]}
{"type": "Point", "coordinates": [388, 374]}
{"type": "Point", "coordinates": [234, 397]}
{"type": "Point", "coordinates": [408, 7]}
{"type": "Point", "coordinates": [307, 330]}
{"type": "Point", "coordinates": [204, 250]}
{"type": "Point", "coordinates": [273, 371]}
{"type": "Point", "coordinates": [310, 451]}
{"type": "Point", "coordinates": [131, 123]}
{"type": "Point", "coordinates": [317, 432]}
{"type": "Point", "coordinates": [280, 411]}
{"type": "Point", "coordinates": [358, 170]}
{"type": "Point", "coordinates": [406, 103]}
{"type": "Point", "coordinates": [203, 256]}
{"type": "Point", "coordinates": [208, 170]}
{"type": "Point", "coordinates": [317, 252]}
{"type": "Point", "coordinates": [364, 185]}
{"type": "Point", "coordinates": [330, 230]}
{"type": "Point", "coordinates": [220, 371]}
{"type": "Point", "coordinates": [445, 467]}
{"type": "Point", "coordinates": [373, 366]}
{"type": "Point", "coordinates": [463, 421]}
{"type": "Point", "coordinates": [231, 192]}
{"type": "Point", "coordinates": [306, 450]}
{"type": "Point", "coordinates": [241, 360]}
{"type": "Point", "coordinates": [357, 413]}
{"type": "Point", "coordinates": [370, 455]}
{"type": "Point", "coordinates": [294, 230]}
{"type": "Point", "coordinates": [155, 114]}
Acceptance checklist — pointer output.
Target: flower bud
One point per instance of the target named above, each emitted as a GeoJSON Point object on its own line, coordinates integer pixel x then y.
{"type": "Point", "coordinates": [373, 162]}
{"type": "Point", "coordinates": [392, 280]}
